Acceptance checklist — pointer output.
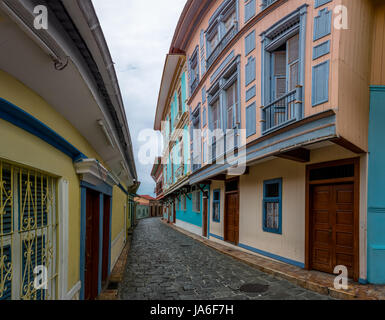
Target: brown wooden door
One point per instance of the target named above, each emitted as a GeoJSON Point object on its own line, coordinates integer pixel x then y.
{"type": "Point", "coordinates": [232, 218]}
{"type": "Point", "coordinates": [106, 236]}
{"type": "Point", "coordinates": [92, 245]}
{"type": "Point", "coordinates": [332, 235]}
{"type": "Point", "coordinates": [204, 217]}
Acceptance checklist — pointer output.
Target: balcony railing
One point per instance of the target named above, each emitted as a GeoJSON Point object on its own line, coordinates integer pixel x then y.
{"type": "Point", "coordinates": [222, 44]}
{"type": "Point", "coordinates": [286, 109]}
{"type": "Point", "coordinates": [266, 3]}
{"type": "Point", "coordinates": [194, 84]}
{"type": "Point", "coordinates": [179, 172]}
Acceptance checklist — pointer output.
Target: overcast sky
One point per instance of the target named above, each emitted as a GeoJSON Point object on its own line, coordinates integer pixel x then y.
{"type": "Point", "coordinates": [139, 35]}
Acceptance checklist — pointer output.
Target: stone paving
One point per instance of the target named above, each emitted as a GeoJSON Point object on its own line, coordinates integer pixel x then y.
{"type": "Point", "coordinates": [164, 264]}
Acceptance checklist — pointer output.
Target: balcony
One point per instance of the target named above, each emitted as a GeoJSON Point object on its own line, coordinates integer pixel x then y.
{"type": "Point", "coordinates": [267, 3]}
{"type": "Point", "coordinates": [282, 111]}
{"type": "Point", "coordinates": [179, 172]}
{"type": "Point", "coordinates": [222, 44]}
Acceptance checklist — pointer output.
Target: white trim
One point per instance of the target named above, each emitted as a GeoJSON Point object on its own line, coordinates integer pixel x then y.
{"type": "Point", "coordinates": [94, 173]}
{"type": "Point", "coordinates": [189, 227]}
{"type": "Point", "coordinates": [63, 236]}
{"type": "Point", "coordinates": [75, 289]}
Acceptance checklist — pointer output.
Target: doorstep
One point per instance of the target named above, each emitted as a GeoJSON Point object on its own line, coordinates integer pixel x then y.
{"type": "Point", "coordinates": [320, 282]}
{"type": "Point", "coordinates": [110, 291]}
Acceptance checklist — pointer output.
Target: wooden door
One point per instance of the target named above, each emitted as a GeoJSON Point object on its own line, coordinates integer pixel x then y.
{"type": "Point", "coordinates": [204, 233]}
{"type": "Point", "coordinates": [174, 212]}
{"type": "Point", "coordinates": [106, 236]}
{"type": "Point", "coordinates": [333, 229]}
{"type": "Point", "coordinates": [92, 245]}
{"type": "Point", "coordinates": [232, 218]}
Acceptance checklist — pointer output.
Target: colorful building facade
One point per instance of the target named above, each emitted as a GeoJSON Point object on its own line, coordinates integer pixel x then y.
{"type": "Point", "coordinates": [283, 90]}
{"type": "Point", "coordinates": [66, 161]}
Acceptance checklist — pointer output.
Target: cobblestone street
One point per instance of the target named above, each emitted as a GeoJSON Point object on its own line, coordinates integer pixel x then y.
{"type": "Point", "coordinates": [164, 264]}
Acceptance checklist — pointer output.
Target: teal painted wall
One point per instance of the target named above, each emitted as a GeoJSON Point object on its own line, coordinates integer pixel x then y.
{"type": "Point", "coordinates": [376, 187]}
{"type": "Point", "coordinates": [189, 215]}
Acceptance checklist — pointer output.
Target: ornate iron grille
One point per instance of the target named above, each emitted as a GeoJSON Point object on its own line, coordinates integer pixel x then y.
{"type": "Point", "coordinates": [28, 226]}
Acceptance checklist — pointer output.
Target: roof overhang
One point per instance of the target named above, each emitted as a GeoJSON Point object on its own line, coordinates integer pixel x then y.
{"type": "Point", "coordinates": [169, 73]}
{"type": "Point", "coordinates": [192, 14]}
{"type": "Point", "coordinates": [81, 84]}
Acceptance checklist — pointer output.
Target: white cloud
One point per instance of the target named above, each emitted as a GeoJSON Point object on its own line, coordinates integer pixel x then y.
{"type": "Point", "coordinates": [139, 35]}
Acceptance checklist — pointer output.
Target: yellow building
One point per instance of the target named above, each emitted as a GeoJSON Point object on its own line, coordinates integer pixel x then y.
{"type": "Point", "coordinates": [66, 160]}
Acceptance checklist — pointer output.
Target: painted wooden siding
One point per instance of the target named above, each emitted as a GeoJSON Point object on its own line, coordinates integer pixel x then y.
{"type": "Point", "coordinates": [354, 73]}
{"type": "Point", "coordinates": [378, 51]}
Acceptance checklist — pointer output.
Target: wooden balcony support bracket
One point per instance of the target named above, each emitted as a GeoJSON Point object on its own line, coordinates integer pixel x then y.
{"type": "Point", "coordinates": [298, 155]}
{"type": "Point", "coordinates": [205, 192]}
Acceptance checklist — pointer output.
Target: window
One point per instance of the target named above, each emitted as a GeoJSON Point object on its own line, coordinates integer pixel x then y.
{"type": "Point", "coordinates": [283, 71]}
{"type": "Point", "coordinates": [272, 206]}
{"type": "Point", "coordinates": [194, 71]}
{"type": "Point", "coordinates": [231, 101]}
{"type": "Point", "coordinates": [28, 225]}
{"type": "Point", "coordinates": [216, 115]}
{"type": "Point", "coordinates": [216, 205]}
{"type": "Point", "coordinates": [183, 204]}
{"type": "Point", "coordinates": [196, 201]}
{"type": "Point", "coordinates": [180, 106]}
{"type": "Point", "coordinates": [222, 29]}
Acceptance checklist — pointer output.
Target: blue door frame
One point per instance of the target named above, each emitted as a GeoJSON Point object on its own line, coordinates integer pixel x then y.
{"type": "Point", "coordinates": [103, 189]}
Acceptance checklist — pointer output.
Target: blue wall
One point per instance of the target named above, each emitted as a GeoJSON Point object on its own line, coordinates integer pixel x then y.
{"type": "Point", "coordinates": [189, 215]}
{"type": "Point", "coordinates": [376, 188]}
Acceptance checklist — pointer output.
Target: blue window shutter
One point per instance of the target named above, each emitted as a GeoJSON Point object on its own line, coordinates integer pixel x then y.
{"type": "Point", "coordinates": [251, 120]}
{"type": "Point", "coordinates": [183, 89]}
{"type": "Point", "coordinates": [204, 116]}
{"type": "Point", "coordinates": [203, 95]}
{"type": "Point", "coordinates": [202, 48]}
{"type": "Point", "coordinates": [250, 10]}
{"type": "Point", "coordinates": [320, 84]}
{"type": "Point", "coordinates": [319, 3]}
{"type": "Point", "coordinates": [251, 93]}
{"type": "Point", "coordinates": [250, 43]}
{"type": "Point", "coordinates": [7, 256]}
{"type": "Point", "coordinates": [322, 24]}
{"type": "Point", "coordinates": [321, 50]}
{"type": "Point", "coordinates": [189, 76]}
{"type": "Point", "coordinates": [250, 71]}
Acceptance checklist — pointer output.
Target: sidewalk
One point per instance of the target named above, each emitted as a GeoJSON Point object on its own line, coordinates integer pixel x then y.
{"type": "Point", "coordinates": [110, 292]}
{"type": "Point", "coordinates": [311, 280]}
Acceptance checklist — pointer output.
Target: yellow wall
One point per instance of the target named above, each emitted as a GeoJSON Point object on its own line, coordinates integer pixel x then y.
{"type": "Point", "coordinates": [22, 148]}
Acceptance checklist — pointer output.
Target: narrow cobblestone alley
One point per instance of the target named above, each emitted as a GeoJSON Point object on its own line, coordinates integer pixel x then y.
{"type": "Point", "coordinates": [164, 264]}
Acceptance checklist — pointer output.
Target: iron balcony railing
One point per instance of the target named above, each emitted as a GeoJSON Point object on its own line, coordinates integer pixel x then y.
{"type": "Point", "coordinates": [222, 44]}
{"type": "Point", "coordinates": [285, 109]}
{"type": "Point", "coordinates": [179, 172]}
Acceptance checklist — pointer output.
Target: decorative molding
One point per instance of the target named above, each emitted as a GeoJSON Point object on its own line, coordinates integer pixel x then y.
{"type": "Point", "coordinates": [18, 117]}
{"type": "Point", "coordinates": [93, 172]}
{"type": "Point", "coordinates": [225, 62]}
